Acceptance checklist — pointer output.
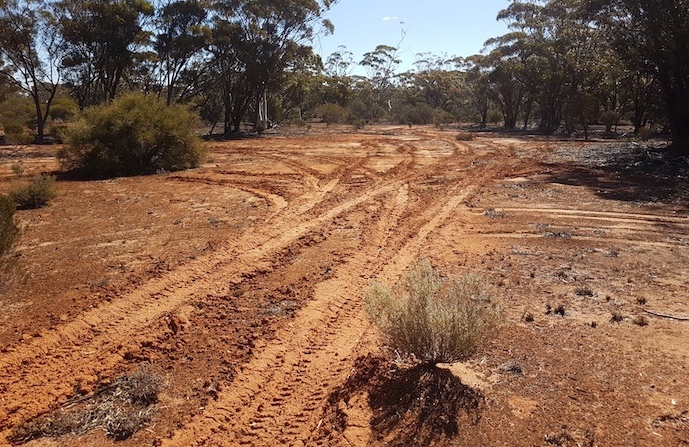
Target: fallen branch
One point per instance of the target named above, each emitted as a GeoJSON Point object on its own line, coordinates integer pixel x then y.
{"type": "Point", "coordinates": [671, 317]}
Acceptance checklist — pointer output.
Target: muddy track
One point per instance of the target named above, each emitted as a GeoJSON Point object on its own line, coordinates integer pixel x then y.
{"type": "Point", "coordinates": [277, 393]}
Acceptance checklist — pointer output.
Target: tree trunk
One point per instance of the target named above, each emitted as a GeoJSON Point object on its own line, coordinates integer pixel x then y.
{"type": "Point", "coordinates": [261, 118]}
{"type": "Point", "coordinates": [677, 101]}
{"type": "Point", "coordinates": [680, 137]}
{"type": "Point", "coordinates": [527, 113]}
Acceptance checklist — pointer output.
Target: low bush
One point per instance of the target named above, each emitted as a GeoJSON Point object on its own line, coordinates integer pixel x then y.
{"type": "Point", "coordinates": [645, 133]}
{"type": "Point", "coordinates": [464, 136]}
{"type": "Point", "coordinates": [17, 169]}
{"type": "Point", "coordinates": [442, 118]}
{"type": "Point", "coordinates": [430, 320]}
{"type": "Point", "coordinates": [331, 113]}
{"type": "Point", "coordinates": [8, 227]}
{"type": "Point", "coordinates": [135, 134]}
{"type": "Point", "coordinates": [610, 119]}
{"type": "Point", "coordinates": [36, 194]}
{"type": "Point", "coordinates": [13, 128]}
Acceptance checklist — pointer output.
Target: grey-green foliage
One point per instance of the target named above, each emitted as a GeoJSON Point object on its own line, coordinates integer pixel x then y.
{"type": "Point", "coordinates": [135, 134]}
{"type": "Point", "coordinates": [36, 194]}
{"type": "Point", "coordinates": [331, 113]}
{"type": "Point", "coordinates": [431, 320]}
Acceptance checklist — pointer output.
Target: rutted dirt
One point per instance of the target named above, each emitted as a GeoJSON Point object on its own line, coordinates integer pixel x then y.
{"type": "Point", "coordinates": [240, 283]}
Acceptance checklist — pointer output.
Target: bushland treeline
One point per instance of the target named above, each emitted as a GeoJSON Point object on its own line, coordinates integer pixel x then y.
{"type": "Point", "coordinates": [564, 65]}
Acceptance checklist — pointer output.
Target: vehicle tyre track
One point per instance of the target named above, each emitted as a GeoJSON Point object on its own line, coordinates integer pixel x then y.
{"type": "Point", "coordinates": [273, 401]}
{"type": "Point", "coordinates": [106, 330]}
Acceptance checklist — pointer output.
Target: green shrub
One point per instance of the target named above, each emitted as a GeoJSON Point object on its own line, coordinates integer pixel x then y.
{"type": "Point", "coordinates": [495, 117]}
{"type": "Point", "coordinates": [135, 134]}
{"type": "Point", "coordinates": [442, 118]}
{"type": "Point", "coordinates": [331, 113]}
{"type": "Point", "coordinates": [298, 122]}
{"type": "Point", "coordinates": [13, 128]}
{"type": "Point", "coordinates": [36, 194]}
{"type": "Point", "coordinates": [14, 133]}
{"type": "Point", "coordinates": [17, 168]}
{"type": "Point", "coordinates": [430, 320]}
{"type": "Point", "coordinates": [8, 227]}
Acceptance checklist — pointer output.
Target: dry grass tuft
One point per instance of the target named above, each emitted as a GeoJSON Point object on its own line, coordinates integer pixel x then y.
{"type": "Point", "coordinates": [429, 320]}
{"type": "Point", "coordinates": [36, 194]}
{"type": "Point", "coordinates": [464, 136]}
{"type": "Point", "coordinates": [121, 409]}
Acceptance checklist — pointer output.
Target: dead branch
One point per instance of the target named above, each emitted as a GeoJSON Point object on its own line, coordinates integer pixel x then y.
{"type": "Point", "coordinates": [671, 317]}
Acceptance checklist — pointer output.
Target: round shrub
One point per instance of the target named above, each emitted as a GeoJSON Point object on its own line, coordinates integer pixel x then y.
{"type": "Point", "coordinates": [331, 113]}
{"type": "Point", "coordinates": [36, 194]}
{"type": "Point", "coordinates": [135, 134]}
{"type": "Point", "coordinates": [8, 227]}
{"type": "Point", "coordinates": [430, 320]}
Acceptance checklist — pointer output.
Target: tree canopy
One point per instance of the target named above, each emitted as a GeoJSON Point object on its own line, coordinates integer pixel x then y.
{"type": "Point", "coordinates": [563, 66]}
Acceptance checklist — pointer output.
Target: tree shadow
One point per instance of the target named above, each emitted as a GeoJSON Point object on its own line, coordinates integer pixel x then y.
{"type": "Point", "coordinates": [422, 405]}
{"type": "Point", "coordinates": [418, 406]}
{"type": "Point", "coordinates": [627, 174]}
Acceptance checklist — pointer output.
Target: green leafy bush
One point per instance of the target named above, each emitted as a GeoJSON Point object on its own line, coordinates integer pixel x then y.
{"type": "Point", "coordinates": [442, 118]}
{"type": "Point", "coordinates": [135, 134]}
{"type": "Point", "coordinates": [8, 227]}
{"type": "Point", "coordinates": [14, 133]}
{"type": "Point", "coordinates": [331, 113]}
{"type": "Point", "coordinates": [13, 128]}
{"type": "Point", "coordinates": [358, 124]}
{"type": "Point", "coordinates": [430, 320]}
{"type": "Point", "coordinates": [36, 194]}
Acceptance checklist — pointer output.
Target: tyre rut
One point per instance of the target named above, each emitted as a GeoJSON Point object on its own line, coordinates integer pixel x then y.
{"type": "Point", "coordinates": [105, 331]}
{"type": "Point", "coordinates": [275, 399]}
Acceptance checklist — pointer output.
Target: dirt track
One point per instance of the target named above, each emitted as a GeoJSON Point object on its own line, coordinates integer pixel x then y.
{"type": "Point", "coordinates": [241, 283]}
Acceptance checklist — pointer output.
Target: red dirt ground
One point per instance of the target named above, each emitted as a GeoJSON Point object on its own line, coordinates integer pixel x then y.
{"type": "Point", "coordinates": [240, 284]}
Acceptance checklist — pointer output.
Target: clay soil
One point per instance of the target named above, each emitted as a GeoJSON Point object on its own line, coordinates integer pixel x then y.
{"type": "Point", "coordinates": [239, 284]}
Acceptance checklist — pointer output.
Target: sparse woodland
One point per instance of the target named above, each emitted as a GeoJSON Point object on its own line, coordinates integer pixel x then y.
{"type": "Point", "coordinates": [564, 65]}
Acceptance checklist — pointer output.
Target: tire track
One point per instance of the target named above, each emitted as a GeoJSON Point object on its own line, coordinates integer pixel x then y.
{"type": "Point", "coordinates": [620, 240]}
{"type": "Point", "coordinates": [621, 217]}
{"type": "Point", "coordinates": [97, 341]}
{"type": "Point", "coordinates": [106, 330]}
{"type": "Point", "coordinates": [275, 398]}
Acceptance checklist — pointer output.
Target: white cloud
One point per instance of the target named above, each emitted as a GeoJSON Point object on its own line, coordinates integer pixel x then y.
{"type": "Point", "coordinates": [387, 18]}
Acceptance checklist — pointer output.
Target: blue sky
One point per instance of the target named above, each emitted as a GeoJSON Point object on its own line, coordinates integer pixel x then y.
{"type": "Point", "coordinates": [455, 27]}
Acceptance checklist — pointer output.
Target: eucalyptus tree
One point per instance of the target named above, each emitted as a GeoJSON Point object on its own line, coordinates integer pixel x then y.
{"type": "Point", "coordinates": [439, 81]}
{"type": "Point", "coordinates": [479, 87]}
{"type": "Point", "coordinates": [653, 36]}
{"type": "Point", "coordinates": [270, 36]}
{"type": "Point", "coordinates": [555, 51]}
{"type": "Point", "coordinates": [100, 40]}
{"type": "Point", "coordinates": [381, 66]}
{"type": "Point", "coordinates": [182, 32]}
{"type": "Point", "coordinates": [28, 49]}
{"type": "Point", "coordinates": [340, 63]}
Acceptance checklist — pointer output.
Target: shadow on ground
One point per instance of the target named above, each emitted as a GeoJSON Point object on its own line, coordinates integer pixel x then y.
{"type": "Point", "coordinates": [423, 405]}
{"type": "Point", "coordinates": [625, 172]}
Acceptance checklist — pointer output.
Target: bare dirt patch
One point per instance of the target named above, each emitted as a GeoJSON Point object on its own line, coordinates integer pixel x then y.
{"type": "Point", "coordinates": [241, 283]}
